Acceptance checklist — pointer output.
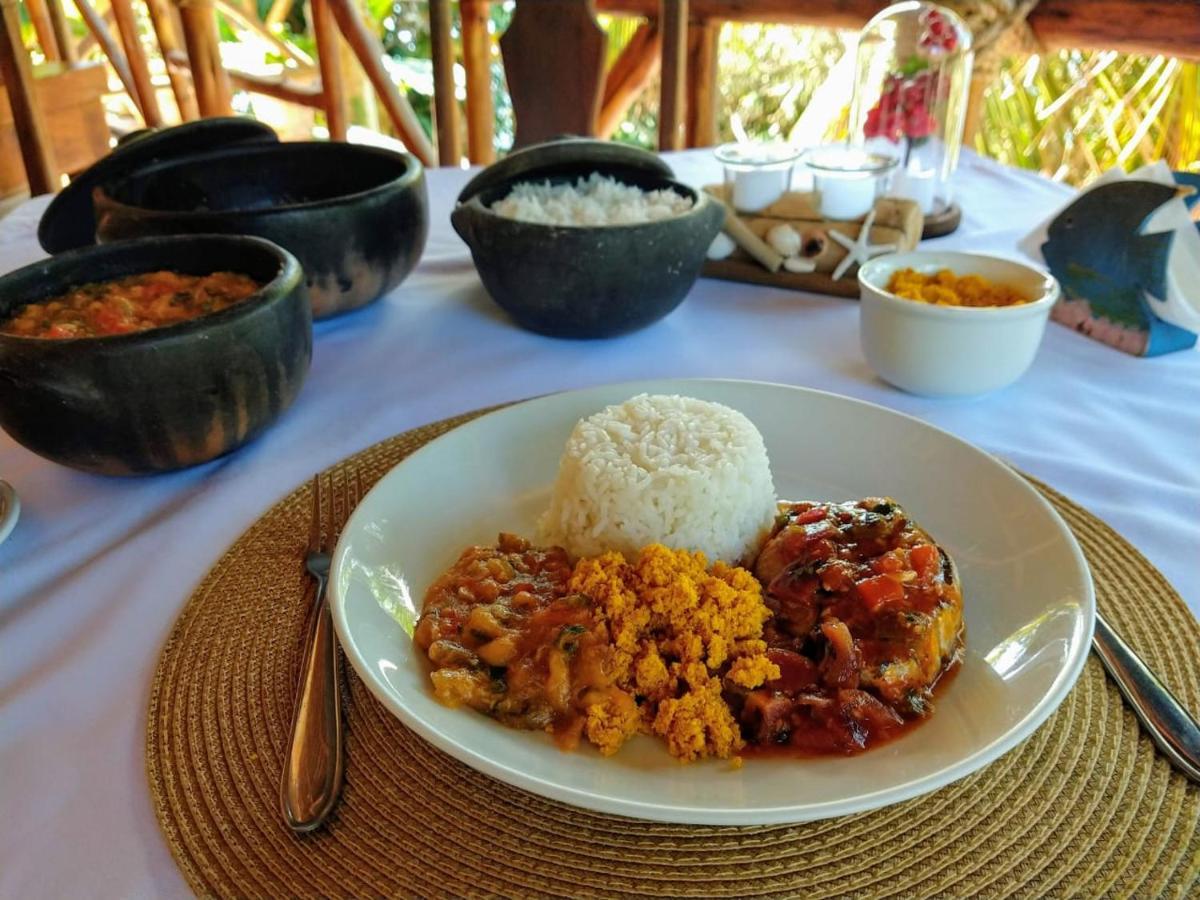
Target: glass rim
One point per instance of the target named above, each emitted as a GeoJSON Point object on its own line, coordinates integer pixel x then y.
{"type": "Point", "coordinates": [777, 155]}
{"type": "Point", "coordinates": [872, 163]}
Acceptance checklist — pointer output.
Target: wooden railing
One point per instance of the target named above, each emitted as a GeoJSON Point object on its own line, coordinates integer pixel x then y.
{"type": "Point", "coordinates": [677, 40]}
{"type": "Point", "coordinates": [1166, 27]}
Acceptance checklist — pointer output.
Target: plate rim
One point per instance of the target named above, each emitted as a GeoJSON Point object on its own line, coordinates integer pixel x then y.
{"type": "Point", "coordinates": [1063, 682]}
{"type": "Point", "coordinates": [10, 509]}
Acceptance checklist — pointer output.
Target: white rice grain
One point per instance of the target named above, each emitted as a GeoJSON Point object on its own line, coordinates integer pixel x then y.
{"type": "Point", "coordinates": [595, 200]}
{"type": "Point", "coordinates": [674, 470]}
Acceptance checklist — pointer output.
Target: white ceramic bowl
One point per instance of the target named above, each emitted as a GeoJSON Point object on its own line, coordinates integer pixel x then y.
{"type": "Point", "coordinates": [952, 350]}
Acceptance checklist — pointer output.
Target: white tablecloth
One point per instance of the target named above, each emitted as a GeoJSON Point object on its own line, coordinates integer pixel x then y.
{"type": "Point", "coordinates": [98, 568]}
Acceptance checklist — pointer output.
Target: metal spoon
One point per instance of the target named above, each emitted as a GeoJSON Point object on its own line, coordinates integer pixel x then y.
{"type": "Point", "coordinates": [1169, 725]}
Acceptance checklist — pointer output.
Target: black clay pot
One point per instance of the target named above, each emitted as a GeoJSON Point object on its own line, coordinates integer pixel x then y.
{"type": "Point", "coordinates": [166, 398]}
{"type": "Point", "coordinates": [583, 281]}
{"type": "Point", "coordinates": [69, 221]}
{"type": "Point", "coordinates": [356, 217]}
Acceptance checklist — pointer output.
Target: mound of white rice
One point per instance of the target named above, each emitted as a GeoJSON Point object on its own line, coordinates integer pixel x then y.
{"type": "Point", "coordinates": [595, 200]}
{"type": "Point", "coordinates": [673, 470]}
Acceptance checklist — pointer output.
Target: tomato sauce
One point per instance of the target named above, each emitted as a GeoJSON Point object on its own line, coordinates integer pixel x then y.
{"type": "Point", "coordinates": [819, 741]}
{"type": "Point", "coordinates": [125, 305]}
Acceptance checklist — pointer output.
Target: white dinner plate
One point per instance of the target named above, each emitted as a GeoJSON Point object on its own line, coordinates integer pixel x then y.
{"type": "Point", "coordinates": [1029, 604]}
{"type": "Point", "coordinates": [10, 509]}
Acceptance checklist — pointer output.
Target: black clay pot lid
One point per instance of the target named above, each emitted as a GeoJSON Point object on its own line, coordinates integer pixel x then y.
{"type": "Point", "coordinates": [70, 219]}
{"type": "Point", "coordinates": [563, 154]}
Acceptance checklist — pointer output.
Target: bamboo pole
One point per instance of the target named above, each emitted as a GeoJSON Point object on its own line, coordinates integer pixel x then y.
{"type": "Point", "coordinates": [477, 60]}
{"type": "Point", "coordinates": [88, 41]}
{"type": "Point", "coordinates": [104, 38]}
{"type": "Point", "coordinates": [673, 14]}
{"type": "Point", "coordinates": [703, 40]}
{"type": "Point", "coordinates": [43, 27]}
{"type": "Point", "coordinates": [32, 136]}
{"type": "Point", "coordinates": [278, 12]}
{"type": "Point", "coordinates": [135, 53]}
{"type": "Point", "coordinates": [629, 76]}
{"type": "Point", "coordinates": [369, 51]}
{"type": "Point", "coordinates": [329, 57]}
{"type": "Point", "coordinates": [169, 47]}
{"type": "Point", "coordinates": [62, 35]}
{"type": "Point", "coordinates": [248, 23]}
{"type": "Point", "coordinates": [200, 38]}
{"type": "Point", "coordinates": [449, 139]}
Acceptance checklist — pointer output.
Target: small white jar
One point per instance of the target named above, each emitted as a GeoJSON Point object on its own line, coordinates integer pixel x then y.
{"type": "Point", "coordinates": [847, 180]}
{"type": "Point", "coordinates": [756, 175]}
{"type": "Point", "coordinates": [946, 351]}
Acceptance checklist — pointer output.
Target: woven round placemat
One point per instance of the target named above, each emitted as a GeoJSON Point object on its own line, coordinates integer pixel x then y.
{"type": "Point", "coordinates": [1084, 806]}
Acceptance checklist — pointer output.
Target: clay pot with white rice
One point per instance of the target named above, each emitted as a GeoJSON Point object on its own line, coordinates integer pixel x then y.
{"type": "Point", "coordinates": [585, 238]}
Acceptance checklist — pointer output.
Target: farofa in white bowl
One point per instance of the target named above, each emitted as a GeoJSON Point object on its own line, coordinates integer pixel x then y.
{"type": "Point", "coordinates": [947, 350]}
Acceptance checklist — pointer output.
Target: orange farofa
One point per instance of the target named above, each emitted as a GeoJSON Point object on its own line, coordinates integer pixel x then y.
{"type": "Point", "coordinates": [947, 289]}
{"type": "Point", "coordinates": [678, 628]}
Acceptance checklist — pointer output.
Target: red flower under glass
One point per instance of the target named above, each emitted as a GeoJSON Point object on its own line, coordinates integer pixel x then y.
{"type": "Point", "coordinates": [908, 95]}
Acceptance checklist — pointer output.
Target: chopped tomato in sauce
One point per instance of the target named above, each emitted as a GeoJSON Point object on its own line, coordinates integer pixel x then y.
{"type": "Point", "coordinates": [867, 618]}
{"type": "Point", "coordinates": [134, 303]}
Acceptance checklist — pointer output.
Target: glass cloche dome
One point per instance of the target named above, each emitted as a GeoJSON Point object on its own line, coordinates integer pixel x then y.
{"type": "Point", "coordinates": [912, 76]}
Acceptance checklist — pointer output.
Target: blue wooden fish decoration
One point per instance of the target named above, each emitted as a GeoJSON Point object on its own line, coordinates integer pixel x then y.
{"type": "Point", "coordinates": [1190, 180]}
{"type": "Point", "coordinates": [1107, 267]}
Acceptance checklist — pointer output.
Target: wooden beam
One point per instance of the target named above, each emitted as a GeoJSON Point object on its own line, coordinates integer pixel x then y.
{"type": "Point", "coordinates": [1166, 27]}
{"type": "Point", "coordinates": [62, 34]}
{"type": "Point", "coordinates": [43, 27]}
{"type": "Point", "coordinates": [630, 74]}
{"type": "Point", "coordinates": [369, 51]}
{"type": "Point", "coordinates": [1156, 27]}
{"type": "Point", "coordinates": [477, 60]}
{"type": "Point", "coordinates": [277, 86]}
{"type": "Point", "coordinates": [104, 38]}
{"type": "Point", "coordinates": [170, 48]}
{"type": "Point", "coordinates": [135, 53]}
{"type": "Point", "coordinates": [673, 98]}
{"type": "Point", "coordinates": [445, 101]}
{"type": "Point", "coordinates": [32, 136]}
{"type": "Point", "coordinates": [703, 42]}
{"type": "Point", "coordinates": [329, 57]}
{"type": "Point", "coordinates": [200, 37]}
{"type": "Point", "coordinates": [311, 96]}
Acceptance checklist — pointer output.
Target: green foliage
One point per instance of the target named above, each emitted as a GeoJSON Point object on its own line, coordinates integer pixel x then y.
{"type": "Point", "coordinates": [1073, 114]}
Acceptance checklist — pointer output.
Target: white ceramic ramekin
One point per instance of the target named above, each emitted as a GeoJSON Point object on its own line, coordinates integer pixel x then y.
{"type": "Point", "coordinates": [952, 350]}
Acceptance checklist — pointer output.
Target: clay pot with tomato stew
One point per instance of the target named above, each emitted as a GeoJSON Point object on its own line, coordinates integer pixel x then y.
{"type": "Point", "coordinates": [149, 377]}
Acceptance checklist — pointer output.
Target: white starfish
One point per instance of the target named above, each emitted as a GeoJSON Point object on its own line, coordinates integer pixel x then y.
{"type": "Point", "coordinates": [860, 249]}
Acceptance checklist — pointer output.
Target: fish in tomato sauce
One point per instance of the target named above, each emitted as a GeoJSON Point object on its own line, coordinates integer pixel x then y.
{"type": "Point", "coordinates": [866, 618]}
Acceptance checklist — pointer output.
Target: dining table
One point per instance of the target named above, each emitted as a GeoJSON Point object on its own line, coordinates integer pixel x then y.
{"type": "Point", "coordinates": [98, 568]}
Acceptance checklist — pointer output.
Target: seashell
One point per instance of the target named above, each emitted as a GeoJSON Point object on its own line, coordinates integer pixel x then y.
{"type": "Point", "coordinates": [800, 264]}
{"type": "Point", "coordinates": [784, 239]}
{"type": "Point", "coordinates": [722, 245]}
{"type": "Point", "coordinates": [813, 243]}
